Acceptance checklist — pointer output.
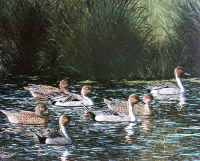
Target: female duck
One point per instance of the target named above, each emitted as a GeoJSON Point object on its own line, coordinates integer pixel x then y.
{"type": "Point", "coordinates": [121, 107]}
{"type": "Point", "coordinates": [70, 99]}
{"type": "Point", "coordinates": [42, 91]}
{"type": "Point", "coordinates": [27, 117]}
{"type": "Point", "coordinates": [133, 99]}
{"type": "Point", "coordinates": [55, 137]}
{"type": "Point", "coordinates": [170, 88]}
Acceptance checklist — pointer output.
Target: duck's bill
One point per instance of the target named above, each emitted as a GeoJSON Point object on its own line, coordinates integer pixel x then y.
{"type": "Point", "coordinates": [187, 74]}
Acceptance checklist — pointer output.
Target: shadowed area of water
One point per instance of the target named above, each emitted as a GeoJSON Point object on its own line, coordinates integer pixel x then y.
{"type": "Point", "coordinates": [170, 134]}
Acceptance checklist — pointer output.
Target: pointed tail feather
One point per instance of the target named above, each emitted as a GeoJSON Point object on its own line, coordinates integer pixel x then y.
{"type": "Point", "coordinates": [107, 101]}
{"type": "Point", "coordinates": [38, 138]}
{"type": "Point", "coordinates": [4, 112]}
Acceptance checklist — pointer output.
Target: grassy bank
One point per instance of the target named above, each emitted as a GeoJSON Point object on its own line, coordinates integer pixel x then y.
{"type": "Point", "coordinates": [98, 39]}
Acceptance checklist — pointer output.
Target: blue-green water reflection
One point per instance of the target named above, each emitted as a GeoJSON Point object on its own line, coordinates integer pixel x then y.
{"type": "Point", "coordinates": [169, 134]}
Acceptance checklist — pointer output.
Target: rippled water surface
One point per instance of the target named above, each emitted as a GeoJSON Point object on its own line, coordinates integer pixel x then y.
{"type": "Point", "coordinates": [170, 134]}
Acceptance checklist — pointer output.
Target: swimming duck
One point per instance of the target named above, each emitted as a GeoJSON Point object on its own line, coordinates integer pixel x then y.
{"type": "Point", "coordinates": [54, 137]}
{"type": "Point", "coordinates": [42, 91]}
{"type": "Point", "coordinates": [133, 99]}
{"type": "Point", "coordinates": [164, 90]}
{"type": "Point", "coordinates": [27, 117]}
{"type": "Point", "coordinates": [122, 107]}
{"type": "Point", "coordinates": [71, 99]}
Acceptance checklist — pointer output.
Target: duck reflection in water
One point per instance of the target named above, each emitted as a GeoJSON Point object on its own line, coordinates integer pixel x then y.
{"type": "Point", "coordinates": [182, 102]}
{"type": "Point", "coordinates": [144, 125]}
{"type": "Point", "coordinates": [130, 132]}
{"type": "Point", "coordinates": [65, 155]}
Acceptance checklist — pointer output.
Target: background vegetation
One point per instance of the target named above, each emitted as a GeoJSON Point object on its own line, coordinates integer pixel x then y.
{"type": "Point", "coordinates": [98, 39]}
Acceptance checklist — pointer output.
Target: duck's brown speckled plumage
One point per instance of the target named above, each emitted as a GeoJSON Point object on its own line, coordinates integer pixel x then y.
{"type": "Point", "coordinates": [121, 107]}
{"type": "Point", "coordinates": [96, 116]}
{"type": "Point", "coordinates": [42, 91]}
{"type": "Point", "coordinates": [27, 117]}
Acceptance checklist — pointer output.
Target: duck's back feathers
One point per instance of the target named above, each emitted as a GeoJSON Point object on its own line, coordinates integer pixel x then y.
{"type": "Point", "coordinates": [64, 97]}
{"type": "Point", "coordinates": [24, 117]}
{"type": "Point", "coordinates": [121, 107]}
{"type": "Point", "coordinates": [116, 106]}
{"type": "Point", "coordinates": [41, 91]}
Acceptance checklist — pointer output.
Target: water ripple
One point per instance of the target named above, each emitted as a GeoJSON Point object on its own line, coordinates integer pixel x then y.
{"type": "Point", "coordinates": [169, 134]}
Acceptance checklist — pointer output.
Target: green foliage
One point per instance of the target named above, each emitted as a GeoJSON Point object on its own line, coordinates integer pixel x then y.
{"type": "Point", "coordinates": [98, 39]}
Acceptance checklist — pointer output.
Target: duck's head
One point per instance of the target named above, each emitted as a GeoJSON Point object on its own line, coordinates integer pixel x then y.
{"type": "Point", "coordinates": [133, 99]}
{"type": "Point", "coordinates": [86, 90]}
{"type": "Point", "coordinates": [147, 98]}
{"type": "Point", "coordinates": [40, 108]}
{"type": "Point", "coordinates": [179, 70]}
{"type": "Point", "coordinates": [64, 120]}
{"type": "Point", "coordinates": [64, 84]}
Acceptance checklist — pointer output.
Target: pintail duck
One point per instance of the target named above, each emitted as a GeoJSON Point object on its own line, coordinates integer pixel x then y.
{"type": "Point", "coordinates": [27, 117]}
{"type": "Point", "coordinates": [133, 99]}
{"type": "Point", "coordinates": [167, 89]}
{"type": "Point", "coordinates": [54, 137]}
{"type": "Point", "coordinates": [122, 107]}
{"type": "Point", "coordinates": [71, 99]}
{"type": "Point", "coordinates": [42, 91]}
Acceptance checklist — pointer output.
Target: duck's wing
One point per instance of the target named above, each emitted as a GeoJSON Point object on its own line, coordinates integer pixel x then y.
{"type": "Point", "coordinates": [42, 135]}
{"type": "Point", "coordinates": [52, 136]}
{"type": "Point", "coordinates": [162, 85]}
{"type": "Point", "coordinates": [38, 137]}
{"type": "Point", "coordinates": [117, 106]}
{"type": "Point", "coordinates": [42, 90]}
{"type": "Point", "coordinates": [22, 112]}
{"type": "Point", "coordinates": [105, 112]}
{"type": "Point", "coordinates": [64, 97]}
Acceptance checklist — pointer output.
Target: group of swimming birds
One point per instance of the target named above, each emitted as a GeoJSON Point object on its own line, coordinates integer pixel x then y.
{"type": "Point", "coordinates": [118, 111]}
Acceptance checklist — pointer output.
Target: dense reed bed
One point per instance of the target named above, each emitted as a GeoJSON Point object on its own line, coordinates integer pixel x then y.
{"type": "Point", "coordinates": [98, 39]}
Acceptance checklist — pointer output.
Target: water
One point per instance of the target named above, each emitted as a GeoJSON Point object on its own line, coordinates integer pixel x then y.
{"type": "Point", "coordinates": [170, 134]}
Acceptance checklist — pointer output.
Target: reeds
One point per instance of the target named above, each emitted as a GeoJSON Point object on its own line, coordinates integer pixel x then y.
{"type": "Point", "coordinates": [98, 39]}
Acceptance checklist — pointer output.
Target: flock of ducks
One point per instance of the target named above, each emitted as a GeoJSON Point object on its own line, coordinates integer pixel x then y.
{"type": "Point", "coordinates": [118, 111]}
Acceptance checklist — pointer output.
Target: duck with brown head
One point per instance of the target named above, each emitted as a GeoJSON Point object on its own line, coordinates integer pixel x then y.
{"type": "Point", "coordinates": [168, 90]}
{"type": "Point", "coordinates": [42, 91]}
{"type": "Point", "coordinates": [133, 99]}
{"type": "Point", "coordinates": [121, 107]}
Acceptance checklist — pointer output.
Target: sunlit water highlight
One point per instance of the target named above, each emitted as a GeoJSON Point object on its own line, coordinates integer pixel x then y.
{"type": "Point", "coordinates": [170, 134]}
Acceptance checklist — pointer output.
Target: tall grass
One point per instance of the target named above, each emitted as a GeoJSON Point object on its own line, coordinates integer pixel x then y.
{"type": "Point", "coordinates": [188, 31]}
{"type": "Point", "coordinates": [97, 39]}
